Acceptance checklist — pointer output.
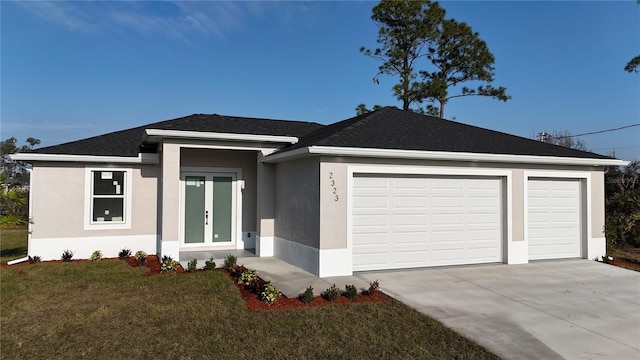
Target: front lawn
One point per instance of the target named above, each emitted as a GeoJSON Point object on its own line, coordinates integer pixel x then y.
{"type": "Point", "coordinates": [13, 244]}
{"type": "Point", "coordinates": [108, 310]}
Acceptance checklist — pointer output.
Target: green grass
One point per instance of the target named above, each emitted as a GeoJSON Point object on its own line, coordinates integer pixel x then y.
{"type": "Point", "coordinates": [13, 244]}
{"type": "Point", "coordinates": [106, 310]}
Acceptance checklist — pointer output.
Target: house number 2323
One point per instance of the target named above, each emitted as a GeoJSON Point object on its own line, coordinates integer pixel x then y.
{"type": "Point", "coordinates": [334, 188]}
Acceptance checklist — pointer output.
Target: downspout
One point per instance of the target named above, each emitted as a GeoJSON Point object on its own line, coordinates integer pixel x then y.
{"type": "Point", "coordinates": [30, 215]}
{"type": "Point", "coordinates": [30, 222]}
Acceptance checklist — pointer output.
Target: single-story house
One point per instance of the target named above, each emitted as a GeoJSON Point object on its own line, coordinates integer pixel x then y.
{"type": "Point", "coordinates": [388, 189]}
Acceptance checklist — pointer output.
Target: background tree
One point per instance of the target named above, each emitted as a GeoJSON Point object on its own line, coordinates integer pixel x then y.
{"type": "Point", "coordinates": [404, 29]}
{"type": "Point", "coordinates": [430, 55]}
{"type": "Point", "coordinates": [14, 195]}
{"type": "Point", "coordinates": [563, 138]}
{"type": "Point", "coordinates": [458, 55]}
{"type": "Point", "coordinates": [632, 65]}
{"type": "Point", "coordinates": [363, 109]}
{"type": "Point", "coordinates": [12, 172]}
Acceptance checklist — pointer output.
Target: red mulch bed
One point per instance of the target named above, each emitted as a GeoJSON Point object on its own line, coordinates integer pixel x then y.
{"type": "Point", "coordinates": [253, 302]}
{"type": "Point", "coordinates": [153, 265]}
{"type": "Point", "coordinates": [626, 264]}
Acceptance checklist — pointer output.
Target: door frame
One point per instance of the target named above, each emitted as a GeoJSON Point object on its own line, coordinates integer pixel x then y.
{"type": "Point", "coordinates": [236, 206]}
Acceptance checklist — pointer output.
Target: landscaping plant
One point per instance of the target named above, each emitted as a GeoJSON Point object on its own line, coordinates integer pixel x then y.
{"type": "Point", "coordinates": [249, 278]}
{"type": "Point", "coordinates": [351, 292]}
{"type": "Point", "coordinates": [34, 259]}
{"type": "Point", "coordinates": [307, 296]}
{"type": "Point", "coordinates": [331, 294]}
{"type": "Point", "coordinates": [66, 255]}
{"type": "Point", "coordinates": [96, 256]}
{"type": "Point", "coordinates": [192, 266]}
{"type": "Point", "coordinates": [209, 264]}
{"type": "Point", "coordinates": [168, 264]}
{"type": "Point", "coordinates": [230, 262]}
{"type": "Point", "coordinates": [124, 253]}
{"type": "Point", "coordinates": [269, 294]}
{"type": "Point", "coordinates": [141, 257]}
{"type": "Point", "coordinates": [373, 287]}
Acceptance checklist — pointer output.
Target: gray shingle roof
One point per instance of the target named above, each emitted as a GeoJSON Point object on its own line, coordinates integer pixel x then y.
{"type": "Point", "coordinates": [387, 128]}
{"type": "Point", "coordinates": [127, 142]}
{"type": "Point", "coordinates": [392, 128]}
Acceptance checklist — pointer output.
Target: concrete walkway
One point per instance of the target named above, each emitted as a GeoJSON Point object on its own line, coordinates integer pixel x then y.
{"type": "Point", "coordinates": [292, 280]}
{"type": "Point", "coordinates": [575, 309]}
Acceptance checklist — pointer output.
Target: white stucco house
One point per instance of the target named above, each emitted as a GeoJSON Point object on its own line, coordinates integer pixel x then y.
{"type": "Point", "coordinates": [385, 190]}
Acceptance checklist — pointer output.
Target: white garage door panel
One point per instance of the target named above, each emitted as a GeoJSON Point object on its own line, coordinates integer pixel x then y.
{"type": "Point", "coordinates": [554, 224]}
{"type": "Point", "coordinates": [417, 221]}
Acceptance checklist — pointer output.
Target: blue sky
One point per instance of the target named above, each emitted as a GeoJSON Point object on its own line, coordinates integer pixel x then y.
{"type": "Point", "coordinates": [70, 70]}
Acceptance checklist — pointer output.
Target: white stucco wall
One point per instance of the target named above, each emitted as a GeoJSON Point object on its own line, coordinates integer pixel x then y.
{"type": "Point", "coordinates": [334, 229]}
{"type": "Point", "coordinates": [58, 210]}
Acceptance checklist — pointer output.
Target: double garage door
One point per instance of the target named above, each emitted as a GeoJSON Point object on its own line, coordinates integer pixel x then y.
{"type": "Point", "coordinates": [404, 221]}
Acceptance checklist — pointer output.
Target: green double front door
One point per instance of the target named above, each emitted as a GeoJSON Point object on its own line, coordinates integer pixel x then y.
{"type": "Point", "coordinates": [208, 209]}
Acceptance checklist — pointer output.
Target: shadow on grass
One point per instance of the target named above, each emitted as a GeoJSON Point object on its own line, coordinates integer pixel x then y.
{"type": "Point", "coordinates": [21, 250]}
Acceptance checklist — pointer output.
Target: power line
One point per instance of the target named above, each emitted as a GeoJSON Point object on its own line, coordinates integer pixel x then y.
{"type": "Point", "coordinates": [545, 136]}
{"type": "Point", "coordinates": [603, 131]}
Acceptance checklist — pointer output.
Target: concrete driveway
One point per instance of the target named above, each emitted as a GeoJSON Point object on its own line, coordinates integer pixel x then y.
{"type": "Point", "coordinates": [574, 309]}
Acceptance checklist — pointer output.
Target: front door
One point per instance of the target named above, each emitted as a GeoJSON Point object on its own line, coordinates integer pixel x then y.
{"type": "Point", "coordinates": [209, 204]}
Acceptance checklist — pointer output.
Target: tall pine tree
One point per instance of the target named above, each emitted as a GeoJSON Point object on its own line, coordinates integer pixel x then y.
{"type": "Point", "coordinates": [431, 55]}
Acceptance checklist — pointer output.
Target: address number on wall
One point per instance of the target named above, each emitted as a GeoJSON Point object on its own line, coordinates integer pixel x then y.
{"type": "Point", "coordinates": [333, 186]}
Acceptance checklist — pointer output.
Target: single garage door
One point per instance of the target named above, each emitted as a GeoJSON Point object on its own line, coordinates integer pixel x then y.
{"type": "Point", "coordinates": [404, 221]}
{"type": "Point", "coordinates": [554, 225]}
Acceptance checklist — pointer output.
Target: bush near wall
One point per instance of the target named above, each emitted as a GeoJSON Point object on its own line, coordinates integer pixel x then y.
{"type": "Point", "coordinates": [14, 207]}
{"type": "Point", "coordinates": [622, 226]}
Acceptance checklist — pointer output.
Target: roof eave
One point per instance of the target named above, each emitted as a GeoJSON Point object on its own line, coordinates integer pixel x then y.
{"type": "Point", "coordinates": [439, 155]}
{"type": "Point", "coordinates": [142, 158]}
{"type": "Point", "coordinates": [156, 135]}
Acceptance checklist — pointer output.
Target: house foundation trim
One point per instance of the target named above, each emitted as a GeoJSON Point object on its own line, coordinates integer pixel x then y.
{"type": "Point", "coordinates": [83, 247]}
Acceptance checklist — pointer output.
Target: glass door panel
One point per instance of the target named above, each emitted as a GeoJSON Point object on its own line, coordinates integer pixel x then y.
{"type": "Point", "coordinates": [194, 209]}
{"type": "Point", "coordinates": [222, 207]}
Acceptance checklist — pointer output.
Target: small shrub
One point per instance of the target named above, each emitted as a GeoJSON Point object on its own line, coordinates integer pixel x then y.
{"type": "Point", "coordinates": [96, 256]}
{"type": "Point", "coordinates": [250, 279]}
{"type": "Point", "coordinates": [168, 264]}
{"type": "Point", "coordinates": [34, 259]}
{"type": "Point", "coordinates": [307, 296]}
{"type": "Point", "coordinates": [351, 292]}
{"type": "Point", "coordinates": [331, 294]}
{"type": "Point", "coordinates": [209, 264]}
{"type": "Point", "coordinates": [373, 287]}
{"type": "Point", "coordinates": [192, 266]}
{"type": "Point", "coordinates": [607, 259]}
{"type": "Point", "coordinates": [269, 294]}
{"type": "Point", "coordinates": [141, 257]}
{"type": "Point", "coordinates": [124, 253]}
{"type": "Point", "coordinates": [230, 262]}
{"type": "Point", "coordinates": [66, 255]}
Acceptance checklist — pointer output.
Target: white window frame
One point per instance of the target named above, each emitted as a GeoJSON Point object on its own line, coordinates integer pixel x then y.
{"type": "Point", "coordinates": [89, 224]}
